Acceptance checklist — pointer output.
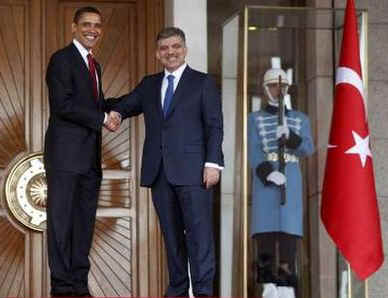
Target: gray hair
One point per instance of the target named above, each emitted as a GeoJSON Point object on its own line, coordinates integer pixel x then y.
{"type": "Point", "coordinates": [169, 32]}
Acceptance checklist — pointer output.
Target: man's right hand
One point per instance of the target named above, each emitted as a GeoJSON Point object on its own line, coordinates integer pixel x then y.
{"type": "Point", "coordinates": [113, 121]}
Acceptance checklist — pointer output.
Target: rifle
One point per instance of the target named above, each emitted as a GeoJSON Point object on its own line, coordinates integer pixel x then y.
{"type": "Point", "coordinates": [281, 143]}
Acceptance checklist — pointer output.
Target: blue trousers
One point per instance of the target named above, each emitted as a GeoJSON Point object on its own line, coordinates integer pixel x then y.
{"type": "Point", "coordinates": [186, 219]}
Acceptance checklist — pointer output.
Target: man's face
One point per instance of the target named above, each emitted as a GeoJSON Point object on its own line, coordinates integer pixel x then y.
{"type": "Point", "coordinates": [171, 52]}
{"type": "Point", "coordinates": [88, 30]}
{"type": "Point", "coordinates": [274, 90]}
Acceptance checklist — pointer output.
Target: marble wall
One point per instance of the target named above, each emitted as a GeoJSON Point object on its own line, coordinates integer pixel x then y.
{"type": "Point", "coordinates": [319, 85]}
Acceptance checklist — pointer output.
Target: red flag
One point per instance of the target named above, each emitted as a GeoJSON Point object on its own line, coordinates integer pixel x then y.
{"type": "Point", "coordinates": [349, 206]}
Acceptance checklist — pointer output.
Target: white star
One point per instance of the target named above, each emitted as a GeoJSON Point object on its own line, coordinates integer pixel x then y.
{"type": "Point", "coordinates": [361, 148]}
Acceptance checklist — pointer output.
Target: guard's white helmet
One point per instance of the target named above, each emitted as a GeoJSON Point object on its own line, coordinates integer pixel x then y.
{"type": "Point", "coordinates": [271, 76]}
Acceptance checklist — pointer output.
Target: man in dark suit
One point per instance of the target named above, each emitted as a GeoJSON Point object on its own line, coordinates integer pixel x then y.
{"type": "Point", "coordinates": [182, 158]}
{"type": "Point", "coordinates": [72, 154]}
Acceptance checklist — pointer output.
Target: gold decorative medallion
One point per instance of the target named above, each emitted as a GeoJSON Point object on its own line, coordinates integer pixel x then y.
{"type": "Point", "coordinates": [26, 191]}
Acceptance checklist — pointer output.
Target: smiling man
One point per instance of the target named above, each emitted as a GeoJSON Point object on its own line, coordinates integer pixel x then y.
{"type": "Point", "coordinates": [72, 154]}
{"type": "Point", "coordinates": [182, 158]}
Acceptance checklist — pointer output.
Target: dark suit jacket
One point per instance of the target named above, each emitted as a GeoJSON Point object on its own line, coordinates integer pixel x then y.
{"type": "Point", "coordinates": [190, 135]}
{"type": "Point", "coordinates": [73, 136]}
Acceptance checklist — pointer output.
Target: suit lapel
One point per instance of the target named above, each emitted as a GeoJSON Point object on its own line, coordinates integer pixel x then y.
{"type": "Point", "coordinates": [84, 69]}
{"type": "Point", "coordinates": [99, 75]}
{"type": "Point", "coordinates": [184, 84]}
{"type": "Point", "coordinates": [77, 57]}
{"type": "Point", "coordinates": [157, 96]}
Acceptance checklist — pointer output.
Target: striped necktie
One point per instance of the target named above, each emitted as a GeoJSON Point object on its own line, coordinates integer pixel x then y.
{"type": "Point", "coordinates": [92, 73]}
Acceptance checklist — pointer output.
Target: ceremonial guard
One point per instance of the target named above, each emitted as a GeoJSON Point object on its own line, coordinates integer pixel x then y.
{"type": "Point", "coordinates": [276, 219]}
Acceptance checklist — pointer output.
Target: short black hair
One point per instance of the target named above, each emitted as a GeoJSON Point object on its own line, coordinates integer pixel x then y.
{"type": "Point", "coordinates": [169, 32]}
{"type": "Point", "coordinates": [85, 9]}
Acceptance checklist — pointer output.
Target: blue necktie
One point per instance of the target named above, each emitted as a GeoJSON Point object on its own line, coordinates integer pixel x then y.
{"type": "Point", "coordinates": [169, 94]}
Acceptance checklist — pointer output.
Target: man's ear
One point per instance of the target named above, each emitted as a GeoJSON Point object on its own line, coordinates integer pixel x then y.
{"type": "Point", "coordinates": [73, 27]}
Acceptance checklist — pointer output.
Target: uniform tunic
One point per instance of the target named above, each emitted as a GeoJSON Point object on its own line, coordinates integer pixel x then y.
{"type": "Point", "coordinates": [267, 213]}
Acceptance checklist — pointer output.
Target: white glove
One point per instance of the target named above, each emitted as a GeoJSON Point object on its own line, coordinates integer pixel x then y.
{"type": "Point", "coordinates": [282, 130]}
{"type": "Point", "coordinates": [270, 291]}
{"type": "Point", "coordinates": [286, 292]}
{"type": "Point", "coordinates": [277, 178]}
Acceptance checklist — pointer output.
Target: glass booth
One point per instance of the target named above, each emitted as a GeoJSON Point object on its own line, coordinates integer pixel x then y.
{"type": "Point", "coordinates": [305, 43]}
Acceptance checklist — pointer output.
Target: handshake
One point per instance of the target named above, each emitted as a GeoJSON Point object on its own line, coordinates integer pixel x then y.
{"type": "Point", "coordinates": [113, 121]}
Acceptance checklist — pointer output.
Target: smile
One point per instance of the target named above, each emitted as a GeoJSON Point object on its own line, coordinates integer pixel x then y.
{"type": "Point", "coordinates": [91, 38]}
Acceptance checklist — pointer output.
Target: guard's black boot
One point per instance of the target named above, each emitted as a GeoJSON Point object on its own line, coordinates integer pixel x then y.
{"type": "Point", "coordinates": [287, 278]}
{"type": "Point", "coordinates": [264, 269]}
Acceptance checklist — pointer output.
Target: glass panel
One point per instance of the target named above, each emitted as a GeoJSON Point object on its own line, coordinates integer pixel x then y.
{"type": "Point", "coordinates": [278, 243]}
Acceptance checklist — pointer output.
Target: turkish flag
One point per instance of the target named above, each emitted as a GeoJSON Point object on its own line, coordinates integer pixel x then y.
{"type": "Point", "coordinates": [349, 205]}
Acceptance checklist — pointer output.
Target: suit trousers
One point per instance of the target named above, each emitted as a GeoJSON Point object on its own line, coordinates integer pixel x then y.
{"type": "Point", "coordinates": [186, 219]}
{"type": "Point", "coordinates": [71, 213]}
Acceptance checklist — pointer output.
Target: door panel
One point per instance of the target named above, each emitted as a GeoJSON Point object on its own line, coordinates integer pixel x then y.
{"type": "Point", "coordinates": [13, 20]}
{"type": "Point", "coordinates": [12, 78]}
{"type": "Point", "coordinates": [11, 260]}
{"type": "Point", "coordinates": [111, 258]}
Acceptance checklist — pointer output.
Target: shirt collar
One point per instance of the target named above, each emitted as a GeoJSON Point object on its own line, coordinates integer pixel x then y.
{"type": "Point", "coordinates": [272, 109]}
{"type": "Point", "coordinates": [84, 52]}
{"type": "Point", "coordinates": [177, 73]}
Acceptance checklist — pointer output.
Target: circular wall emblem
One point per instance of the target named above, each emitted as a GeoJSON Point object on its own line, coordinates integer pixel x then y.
{"type": "Point", "coordinates": [26, 191]}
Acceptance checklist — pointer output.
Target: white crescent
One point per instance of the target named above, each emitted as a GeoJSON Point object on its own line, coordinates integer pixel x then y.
{"type": "Point", "coordinates": [347, 75]}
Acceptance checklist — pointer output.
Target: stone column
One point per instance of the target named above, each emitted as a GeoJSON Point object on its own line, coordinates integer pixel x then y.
{"type": "Point", "coordinates": [230, 47]}
{"type": "Point", "coordinates": [319, 84]}
{"type": "Point", "coordinates": [191, 17]}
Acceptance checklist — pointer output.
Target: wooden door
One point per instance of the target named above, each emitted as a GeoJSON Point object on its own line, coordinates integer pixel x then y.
{"type": "Point", "coordinates": [126, 258]}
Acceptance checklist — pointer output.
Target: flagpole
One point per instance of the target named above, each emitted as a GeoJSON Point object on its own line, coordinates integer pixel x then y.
{"type": "Point", "coordinates": [349, 278]}
{"type": "Point", "coordinates": [364, 68]}
{"type": "Point", "coordinates": [363, 37]}
{"type": "Point", "coordinates": [245, 158]}
{"type": "Point", "coordinates": [364, 51]}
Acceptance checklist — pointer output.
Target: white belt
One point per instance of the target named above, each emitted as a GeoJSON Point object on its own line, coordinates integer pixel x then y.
{"type": "Point", "coordinates": [273, 156]}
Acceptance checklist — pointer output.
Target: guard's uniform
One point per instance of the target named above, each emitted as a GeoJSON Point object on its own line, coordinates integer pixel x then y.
{"type": "Point", "coordinates": [268, 215]}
